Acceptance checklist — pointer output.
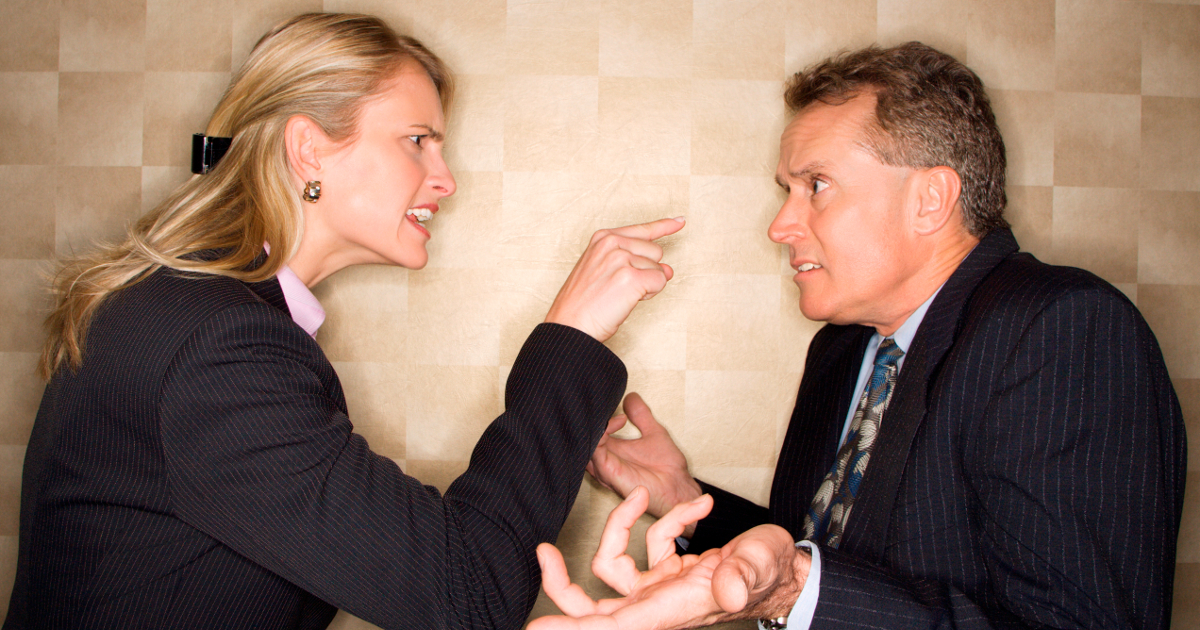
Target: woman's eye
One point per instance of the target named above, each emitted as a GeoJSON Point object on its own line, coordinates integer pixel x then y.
{"type": "Point", "coordinates": [417, 140]}
{"type": "Point", "coordinates": [818, 186]}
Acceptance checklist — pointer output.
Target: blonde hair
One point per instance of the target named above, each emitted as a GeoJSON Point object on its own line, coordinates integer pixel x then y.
{"type": "Point", "coordinates": [319, 65]}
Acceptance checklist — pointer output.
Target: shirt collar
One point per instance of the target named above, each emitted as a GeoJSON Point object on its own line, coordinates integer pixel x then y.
{"type": "Point", "coordinates": [304, 307]}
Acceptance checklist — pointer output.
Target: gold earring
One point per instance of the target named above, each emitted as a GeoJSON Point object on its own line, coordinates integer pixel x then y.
{"type": "Point", "coordinates": [312, 191]}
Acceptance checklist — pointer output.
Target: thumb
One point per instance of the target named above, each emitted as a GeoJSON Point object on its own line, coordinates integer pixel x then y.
{"type": "Point", "coordinates": [732, 582]}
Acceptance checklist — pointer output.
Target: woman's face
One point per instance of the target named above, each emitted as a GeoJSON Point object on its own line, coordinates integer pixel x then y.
{"type": "Point", "coordinates": [376, 188]}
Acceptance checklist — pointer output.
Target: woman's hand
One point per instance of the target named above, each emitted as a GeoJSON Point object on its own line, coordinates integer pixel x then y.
{"type": "Point", "coordinates": [619, 267]}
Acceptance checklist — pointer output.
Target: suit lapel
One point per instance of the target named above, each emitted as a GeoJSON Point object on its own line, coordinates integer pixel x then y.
{"type": "Point", "coordinates": [866, 531]}
{"type": "Point", "coordinates": [810, 446]}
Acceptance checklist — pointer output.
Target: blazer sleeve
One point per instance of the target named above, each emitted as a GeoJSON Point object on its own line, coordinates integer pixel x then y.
{"type": "Point", "coordinates": [262, 458]}
{"type": "Point", "coordinates": [1077, 465]}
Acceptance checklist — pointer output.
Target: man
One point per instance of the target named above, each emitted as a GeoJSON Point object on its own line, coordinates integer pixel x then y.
{"type": "Point", "coordinates": [980, 439]}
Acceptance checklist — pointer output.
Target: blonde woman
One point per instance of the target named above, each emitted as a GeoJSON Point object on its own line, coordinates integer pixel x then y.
{"type": "Point", "coordinates": [192, 464]}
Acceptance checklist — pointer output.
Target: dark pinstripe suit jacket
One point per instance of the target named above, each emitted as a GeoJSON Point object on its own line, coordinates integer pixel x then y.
{"type": "Point", "coordinates": [199, 471]}
{"type": "Point", "coordinates": [1028, 473]}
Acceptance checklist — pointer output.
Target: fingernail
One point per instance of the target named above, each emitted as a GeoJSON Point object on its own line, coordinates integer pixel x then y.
{"type": "Point", "coordinates": [681, 219]}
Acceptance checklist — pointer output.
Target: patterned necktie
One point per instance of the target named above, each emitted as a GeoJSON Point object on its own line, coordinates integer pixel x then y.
{"type": "Point", "coordinates": [831, 506]}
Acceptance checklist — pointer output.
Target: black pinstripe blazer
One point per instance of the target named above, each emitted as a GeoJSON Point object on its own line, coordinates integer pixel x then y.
{"type": "Point", "coordinates": [199, 471]}
{"type": "Point", "coordinates": [1029, 470]}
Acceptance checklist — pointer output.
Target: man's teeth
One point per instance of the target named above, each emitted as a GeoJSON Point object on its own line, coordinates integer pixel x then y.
{"type": "Point", "coordinates": [808, 267]}
{"type": "Point", "coordinates": [422, 214]}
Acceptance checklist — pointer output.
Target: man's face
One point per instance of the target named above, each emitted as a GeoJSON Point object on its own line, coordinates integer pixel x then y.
{"type": "Point", "coordinates": [845, 220]}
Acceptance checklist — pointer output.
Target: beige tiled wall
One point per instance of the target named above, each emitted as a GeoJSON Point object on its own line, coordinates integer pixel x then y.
{"type": "Point", "coordinates": [579, 114]}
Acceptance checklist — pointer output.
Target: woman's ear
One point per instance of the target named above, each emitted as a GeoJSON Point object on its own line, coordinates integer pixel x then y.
{"type": "Point", "coordinates": [304, 141]}
{"type": "Point", "coordinates": [938, 193]}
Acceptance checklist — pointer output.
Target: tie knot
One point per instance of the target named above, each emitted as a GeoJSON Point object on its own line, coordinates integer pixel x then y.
{"type": "Point", "coordinates": [888, 354]}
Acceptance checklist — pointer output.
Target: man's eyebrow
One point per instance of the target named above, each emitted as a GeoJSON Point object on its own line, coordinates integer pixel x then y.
{"type": "Point", "coordinates": [801, 174]}
{"type": "Point", "coordinates": [433, 134]}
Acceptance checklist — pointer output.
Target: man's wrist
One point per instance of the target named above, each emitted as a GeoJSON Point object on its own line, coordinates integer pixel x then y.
{"type": "Point", "coordinates": [773, 611]}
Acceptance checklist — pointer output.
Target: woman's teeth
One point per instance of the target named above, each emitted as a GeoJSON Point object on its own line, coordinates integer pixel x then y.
{"type": "Point", "coordinates": [808, 267]}
{"type": "Point", "coordinates": [421, 214]}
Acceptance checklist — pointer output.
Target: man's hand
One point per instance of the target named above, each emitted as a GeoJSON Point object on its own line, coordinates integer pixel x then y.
{"type": "Point", "coordinates": [652, 461]}
{"type": "Point", "coordinates": [619, 267]}
{"type": "Point", "coordinates": [758, 574]}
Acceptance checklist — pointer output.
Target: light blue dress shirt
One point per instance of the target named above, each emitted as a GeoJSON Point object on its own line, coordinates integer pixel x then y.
{"type": "Point", "coordinates": [802, 613]}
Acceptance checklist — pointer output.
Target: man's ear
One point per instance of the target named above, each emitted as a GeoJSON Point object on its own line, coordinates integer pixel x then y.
{"type": "Point", "coordinates": [937, 196]}
{"type": "Point", "coordinates": [304, 141]}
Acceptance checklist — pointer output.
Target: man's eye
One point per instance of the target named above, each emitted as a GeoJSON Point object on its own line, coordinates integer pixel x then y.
{"type": "Point", "coordinates": [417, 140]}
{"type": "Point", "coordinates": [818, 186]}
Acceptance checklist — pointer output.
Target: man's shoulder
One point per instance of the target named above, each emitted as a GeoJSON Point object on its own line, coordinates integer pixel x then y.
{"type": "Point", "coordinates": [1023, 284]}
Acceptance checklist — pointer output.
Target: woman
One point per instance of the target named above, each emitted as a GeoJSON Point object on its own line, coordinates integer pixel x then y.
{"type": "Point", "coordinates": [192, 464]}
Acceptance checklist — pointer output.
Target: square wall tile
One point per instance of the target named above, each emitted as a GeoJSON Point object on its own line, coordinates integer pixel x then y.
{"type": "Point", "coordinates": [752, 484]}
{"type": "Point", "coordinates": [469, 35]}
{"type": "Point", "coordinates": [160, 181]}
{"type": "Point", "coordinates": [1011, 45]}
{"type": "Point", "coordinates": [8, 560]}
{"type": "Point", "coordinates": [1096, 139]}
{"type": "Point", "coordinates": [550, 123]}
{"type": "Point", "coordinates": [28, 215]}
{"type": "Point", "coordinates": [376, 398]}
{"type": "Point", "coordinates": [735, 127]}
{"type": "Point", "coordinates": [1030, 212]}
{"type": "Point", "coordinates": [733, 322]}
{"type": "Point", "coordinates": [654, 336]}
{"type": "Point", "coordinates": [1188, 390]}
{"type": "Point", "coordinates": [100, 118]}
{"type": "Point", "coordinates": [1099, 46]}
{"type": "Point", "coordinates": [1092, 229]}
{"type": "Point", "coordinates": [448, 409]}
{"type": "Point", "coordinates": [1171, 312]}
{"type": "Point", "coordinates": [1026, 120]}
{"type": "Point", "coordinates": [943, 24]}
{"type": "Point", "coordinates": [815, 29]}
{"type": "Point", "coordinates": [178, 104]}
{"type": "Point", "coordinates": [28, 117]}
{"type": "Point", "coordinates": [439, 474]}
{"type": "Point", "coordinates": [1185, 610]}
{"type": "Point", "coordinates": [29, 36]}
{"type": "Point", "coordinates": [102, 36]}
{"type": "Point", "coordinates": [12, 461]}
{"type": "Point", "coordinates": [366, 314]}
{"type": "Point", "coordinates": [553, 37]}
{"type": "Point", "coordinates": [95, 204]}
{"type": "Point", "coordinates": [21, 390]}
{"type": "Point", "coordinates": [1171, 50]}
{"type": "Point", "coordinates": [253, 20]}
{"type": "Point", "coordinates": [1170, 143]}
{"type": "Point", "coordinates": [475, 124]}
{"type": "Point", "coordinates": [464, 231]}
{"type": "Point", "coordinates": [665, 392]}
{"type": "Point", "coordinates": [463, 310]}
{"type": "Point", "coordinates": [727, 226]}
{"type": "Point", "coordinates": [732, 417]}
{"type": "Point", "coordinates": [26, 303]}
{"type": "Point", "coordinates": [189, 36]}
{"type": "Point", "coordinates": [734, 39]}
{"type": "Point", "coordinates": [648, 39]}
{"type": "Point", "coordinates": [548, 217]}
{"type": "Point", "coordinates": [1169, 238]}
{"type": "Point", "coordinates": [645, 126]}
{"type": "Point", "coordinates": [1189, 526]}
{"type": "Point", "coordinates": [398, 15]}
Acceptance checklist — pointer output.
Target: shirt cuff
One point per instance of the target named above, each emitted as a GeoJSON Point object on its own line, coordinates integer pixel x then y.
{"type": "Point", "coordinates": [802, 613]}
